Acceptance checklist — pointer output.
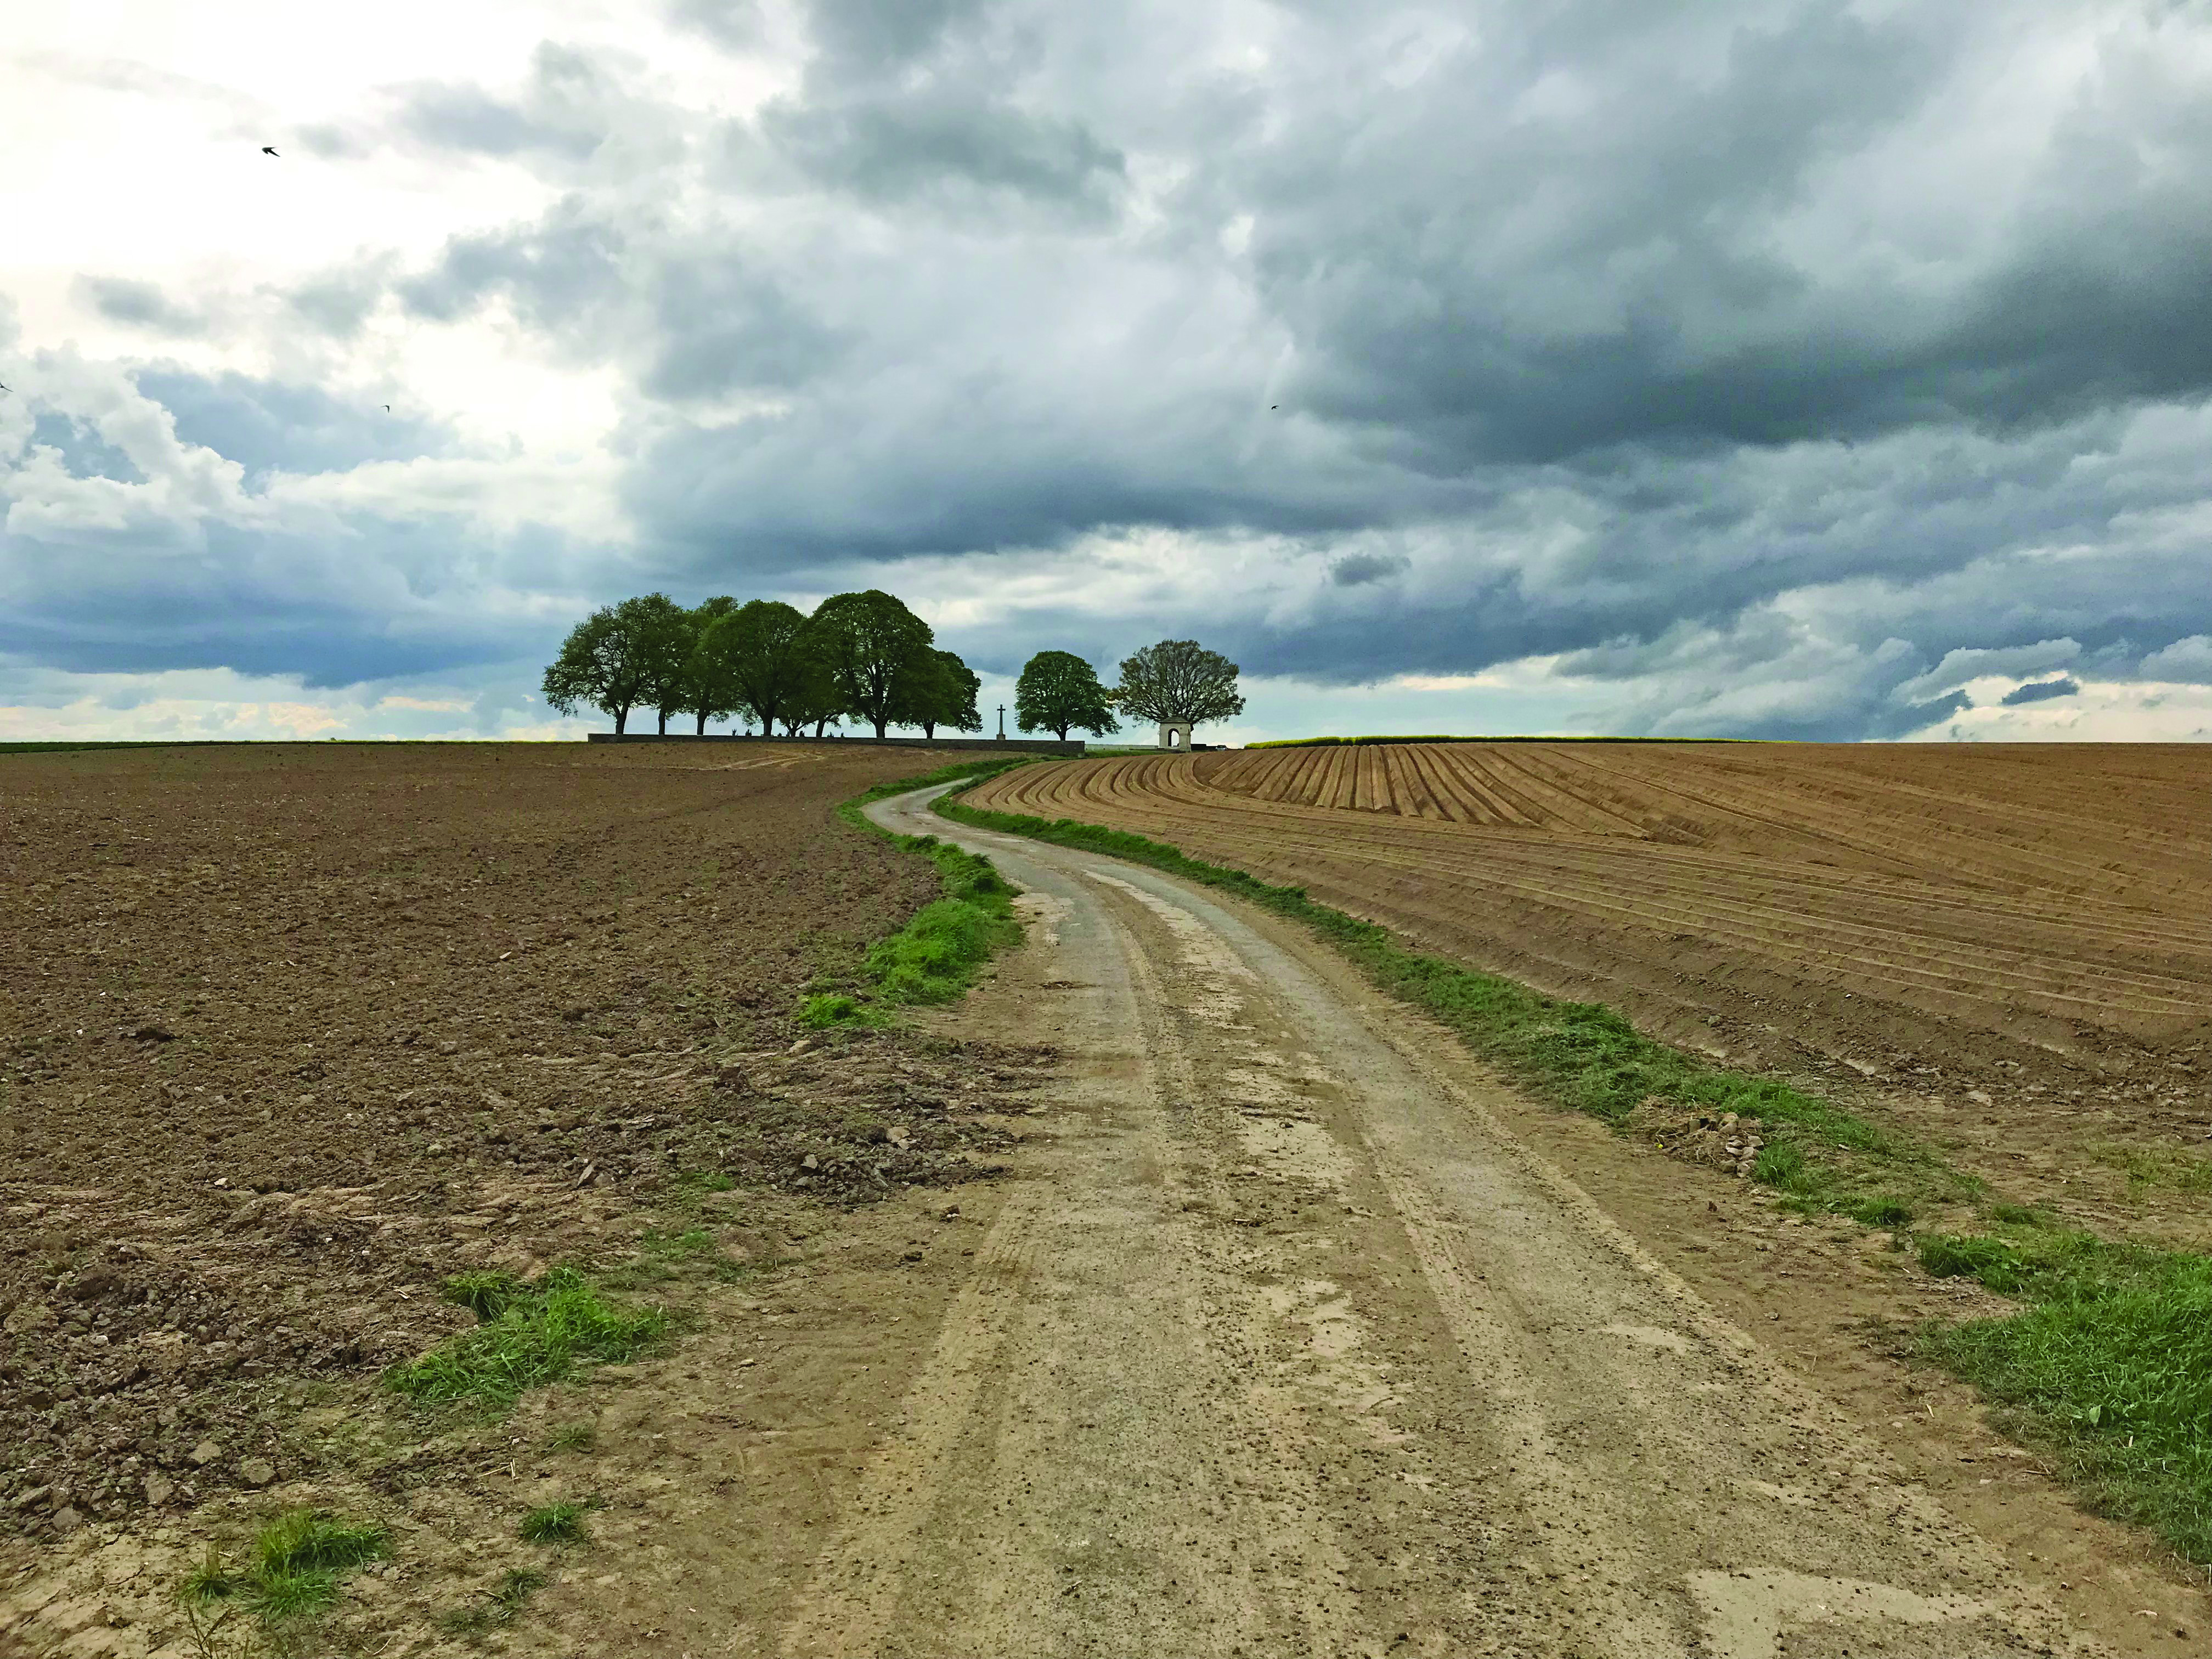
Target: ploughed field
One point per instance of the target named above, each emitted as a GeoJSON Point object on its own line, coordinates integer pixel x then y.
{"type": "Point", "coordinates": [1951, 921]}
{"type": "Point", "coordinates": [290, 1032]}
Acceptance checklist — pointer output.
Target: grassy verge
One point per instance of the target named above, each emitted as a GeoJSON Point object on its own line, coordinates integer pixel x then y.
{"type": "Point", "coordinates": [935, 957]}
{"type": "Point", "coordinates": [293, 1571]}
{"type": "Point", "coordinates": [532, 1333]}
{"type": "Point", "coordinates": [2109, 1367]}
{"type": "Point", "coordinates": [2110, 1364]}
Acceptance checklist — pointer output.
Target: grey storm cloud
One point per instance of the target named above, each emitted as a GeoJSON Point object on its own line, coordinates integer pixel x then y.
{"type": "Point", "coordinates": [2040, 691]}
{"type": "Point", "coordinates": [903, 147]}
{"type": "Point", "coordinates": [268, 426]}
{"type": "Point", "coordinates": [1760, 361]}
{"type": "Point", "coordinates": [338, 303]}
{"type": "Point", "coordinates": [1356, 570]}
{"type": "Point", "coordinates": [564, 109]}
{"type": "Point", "coordinates": [140, 304]}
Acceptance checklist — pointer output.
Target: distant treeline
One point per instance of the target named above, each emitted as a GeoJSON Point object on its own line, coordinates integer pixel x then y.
{"type": "Point", "coordinates": [861, 656]}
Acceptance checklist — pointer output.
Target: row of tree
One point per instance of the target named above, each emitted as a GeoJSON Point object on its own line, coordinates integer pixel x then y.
{"type": "Point", "coordinates": [861, 656]}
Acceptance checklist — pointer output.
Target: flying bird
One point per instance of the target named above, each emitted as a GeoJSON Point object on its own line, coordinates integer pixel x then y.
{"type": "Point", "coordinates": [387, 409]}
{"type": "Point", "coordinates": [271, 149]}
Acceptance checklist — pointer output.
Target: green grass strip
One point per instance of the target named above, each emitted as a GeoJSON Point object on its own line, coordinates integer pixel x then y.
{"type": "Point", "coordinates": [533, 1332]}
{"type": "Point", "coordinates": [936, 956]}
{"type": "Point", "coordinates": [2111, 1364]}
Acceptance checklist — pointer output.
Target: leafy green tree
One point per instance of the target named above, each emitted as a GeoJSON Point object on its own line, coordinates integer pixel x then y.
{"type": "Point", "coordinates": [618, 658]}
{"type": "Point", "coordinates": [1059, 692]}
{"type": "Point", "coordinates": [960, 686]}
{"type": "Point", "coordinates": [761, 653]}
{"type": "Point", "coordinates": [871, 644]}
{"type": "Point", "coordinates": [661, 634]}
{"type": "Point", "coordinates": [707, 690]}
{"type": "Point", "coordinates": [941, 691]}
{"type": "Point", "coordinates": [1179, 682]}
{"type": "Point", "coordinates": [814, 700]}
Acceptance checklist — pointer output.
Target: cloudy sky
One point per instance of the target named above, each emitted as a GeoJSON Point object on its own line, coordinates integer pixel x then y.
{"type": "Point", "coordinates": [1752, 368]}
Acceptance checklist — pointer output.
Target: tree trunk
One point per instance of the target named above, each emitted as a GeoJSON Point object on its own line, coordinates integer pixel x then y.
{"type": "Point", "coordinates": [821, 726]}
{"type": "Point", "coordinates": [663, 712]}
{"type": "Point", "coordinates": [1063, 734]}
{"type": "Point", "coordinates": [879, 730]}
{"type": "Point", "coordinates": [702, 723]}
{"type": "Point", "coordinates": [622, 718]}
{"type": "Point", "coordinates": [929, 731]}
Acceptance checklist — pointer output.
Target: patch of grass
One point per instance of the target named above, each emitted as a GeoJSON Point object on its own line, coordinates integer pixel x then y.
{"type": "Point", "coordinates": [561, 1522]}
{"type": "Point", "coordinates": [696, 1183]}
{"type": "Point", "coordinates": [826, 1010]}
{"type": "Point", "coordinates": [574, 1437]}
{"type": "Point", "coordinates": [2156, 1166]}
{"type": "Point", "coordinates": [935, 957]}
{"type": "Point", "coordinates": [315, 1540]}
{"type": "Point", "coordinates": [1879, 1210]}
{"type": "Point", "coordinates": [486, 1295]}
{"type": "Point", "coordinates": [296, 1567]}
{"type": "Point", "coordinates": [498, 1607]}
{"type": "Point", "coordinates": [532, 1333]}
{"type": "Point", "coordinates": [213, 1580]}
{"type": "Point", "coordinates": [2110, 1365]}
{"type": "Point", "coordinates": [692, 1241]}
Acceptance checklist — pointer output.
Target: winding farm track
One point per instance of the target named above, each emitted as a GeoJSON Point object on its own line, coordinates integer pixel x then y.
{"type": "Point", "coordinates": [1881, 905]}
{"type": "Point", "coordinates": [1279, 1342]}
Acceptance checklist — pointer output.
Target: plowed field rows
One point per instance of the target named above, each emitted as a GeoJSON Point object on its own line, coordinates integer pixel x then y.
{"type": "Point", "coordinates": [1906, 910]}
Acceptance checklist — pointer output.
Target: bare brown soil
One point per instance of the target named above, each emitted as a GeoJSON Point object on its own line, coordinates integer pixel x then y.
{"type": "Point", "coordinates": [289, 1033]}
{"type": "Point", "coordinates": [2008, 947]}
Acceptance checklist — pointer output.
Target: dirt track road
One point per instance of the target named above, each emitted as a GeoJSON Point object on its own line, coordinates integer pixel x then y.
{"type": "Point", "coordinates": [1284, 1345]}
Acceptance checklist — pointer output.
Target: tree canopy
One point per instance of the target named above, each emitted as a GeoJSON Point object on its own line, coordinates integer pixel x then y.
{"type": "Point", "coordinates": [622, 657]}
{"type": "Point", "coordinates": [872, 645]}
{"type": "Point", "coordinates": [1059, 692]}
{"type": "Point", "coordinates": [940, 691]}
{"type": "Point", "coordinates": [706, 689]}
{"type": "Point", "coordinates": [760, 651]}
{"type": "Point", "coordinates": [1179, 682]}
